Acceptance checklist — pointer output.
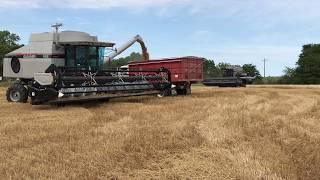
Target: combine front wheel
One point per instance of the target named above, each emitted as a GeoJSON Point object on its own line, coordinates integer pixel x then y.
{"type": "Point", "coordinates": [17, 93]}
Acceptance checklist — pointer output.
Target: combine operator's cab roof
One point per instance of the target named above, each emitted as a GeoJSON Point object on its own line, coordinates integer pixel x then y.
{"type": "Point", "coordinates": [44, 43]}
{"type": "Point", "coordinates": [75, 38]}
{"type": "Point", "coordinates": [69, 38]}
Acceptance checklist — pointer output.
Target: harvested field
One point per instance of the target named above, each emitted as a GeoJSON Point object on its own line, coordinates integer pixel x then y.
{"type": "Point", "coordinates": [242, 133]}
{"type": "Point", "coordinates": [285, 86]}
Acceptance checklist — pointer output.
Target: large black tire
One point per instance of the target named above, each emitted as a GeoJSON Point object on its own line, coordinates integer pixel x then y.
{"type": "Point", "coordinates": [188, 90]}
{"type": "Point", "coordinates": [182, 92]}
{"type": "Point", "coordinates": [165, 93]}
{"type": "Point", "coordinates": [17, 93]}
{"type": "Point", "coordinates": [185, 91]}
{"type": "Point", "coordinates": [243, 85]}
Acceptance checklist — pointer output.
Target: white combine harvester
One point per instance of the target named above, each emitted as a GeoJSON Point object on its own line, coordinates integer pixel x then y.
{"type": "Point", "coordinates": [67, 66]}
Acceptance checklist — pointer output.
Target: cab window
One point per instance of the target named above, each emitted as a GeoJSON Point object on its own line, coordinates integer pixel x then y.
{"type": "Point", "coordinates": [84, 56]}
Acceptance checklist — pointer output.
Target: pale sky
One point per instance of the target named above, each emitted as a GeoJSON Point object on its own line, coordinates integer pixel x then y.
{"type": "Point", "coordinates": [234, 31]}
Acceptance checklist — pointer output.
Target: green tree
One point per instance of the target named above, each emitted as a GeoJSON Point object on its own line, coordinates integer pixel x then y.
{"type": "Point", "coordinates": [251, 70]}
{"type": "Point", "coordinates": [308, 65]}
{"type": "Point", "coordinates": [269, 80]}
{"type": "Point", "coordinates": [288, 77]}
{"type": "Point", "coordinates": [8, 43]}
{"type": "Point", "coordinates": [210, 69]}
{"type": "Point", "coordinates": [124, 60]}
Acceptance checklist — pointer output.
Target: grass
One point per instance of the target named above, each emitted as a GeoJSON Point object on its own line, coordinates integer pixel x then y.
{"type": "Point", "coordinates": [253, 133]}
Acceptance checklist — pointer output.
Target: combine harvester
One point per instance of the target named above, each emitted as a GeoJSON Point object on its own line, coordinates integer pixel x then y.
{"type": "Point", "coordinates": [233, 76]}
{"type": "Point", "coordinates": [61, 67]}
{"type": "Point", "coordinates": [67, 66]}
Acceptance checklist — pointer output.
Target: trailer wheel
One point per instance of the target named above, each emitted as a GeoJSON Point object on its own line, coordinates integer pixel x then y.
{"type": "Point", "coordinates": [180, 91]}
{"type": "Point", "coordinates": [165, 93]}
{"type": "Point", "coordinates": [185, 91]}
{"type": "Point", "coordinates": [17, 93]}
{"type": "Point", "coordinates": [243, 85]}
{"type": "Point", "coordinates": [188, 90]}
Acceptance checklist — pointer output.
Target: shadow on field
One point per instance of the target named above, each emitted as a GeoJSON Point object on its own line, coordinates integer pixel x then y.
{"type": "Point", "coordinates": [89, 104]}
{"type": "Point", "coordinates": [95, 103]}
{"type": "Point", "coordinates": [134, 100]}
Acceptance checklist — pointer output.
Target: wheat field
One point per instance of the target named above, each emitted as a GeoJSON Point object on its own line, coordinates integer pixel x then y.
{"type": "Point", "coordinates": [241, 133]}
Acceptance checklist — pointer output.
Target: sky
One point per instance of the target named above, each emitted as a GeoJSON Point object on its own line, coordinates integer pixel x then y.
{"type": "Point", "coordinates": [234, 31]}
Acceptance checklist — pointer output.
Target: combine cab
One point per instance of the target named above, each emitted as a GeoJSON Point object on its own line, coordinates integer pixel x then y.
{"type": "Point", "coordinates": [67, 66]}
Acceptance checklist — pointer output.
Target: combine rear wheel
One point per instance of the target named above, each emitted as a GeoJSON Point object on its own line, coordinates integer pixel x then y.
{"type": "Point", "coordinates": [17, 93]}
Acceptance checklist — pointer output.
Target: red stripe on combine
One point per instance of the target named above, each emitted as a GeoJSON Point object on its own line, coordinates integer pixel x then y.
{"type": "Point", "coordinates": [34, 55]}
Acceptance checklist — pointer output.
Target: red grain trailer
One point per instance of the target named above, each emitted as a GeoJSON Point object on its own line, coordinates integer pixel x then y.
{"type": "Point", "coordinates": [184, 71]}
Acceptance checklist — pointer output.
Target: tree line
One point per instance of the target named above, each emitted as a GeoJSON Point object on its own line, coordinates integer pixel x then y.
{"type": "Point", "coordinates": [307, 70]}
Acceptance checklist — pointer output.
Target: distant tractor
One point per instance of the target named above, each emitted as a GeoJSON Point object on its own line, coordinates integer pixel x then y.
{"type": "Point", "coordinates": [233, 76]}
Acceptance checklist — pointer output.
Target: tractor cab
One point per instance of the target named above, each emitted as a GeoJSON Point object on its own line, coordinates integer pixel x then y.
{"type": "Point", "coordinates": [228, 72]}
{"type": "Point", "coordinates": [234, 71]}
{"type": "Point", "coordinates": [83, 52]}
{"type": "Point", "coordinates": [84, 57]}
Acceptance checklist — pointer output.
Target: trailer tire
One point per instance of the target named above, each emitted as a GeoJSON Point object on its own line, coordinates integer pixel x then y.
{"type": "Point", "coordinates": [243, 85]}
{"type": "Point", "coordinates": [17, 93]}
{"type": "Point", "coordinates": [185, 91]}
{"type": "Point", "coordinates": [188, 90]}
{"type": "Point", "coordinates": [165, 93]}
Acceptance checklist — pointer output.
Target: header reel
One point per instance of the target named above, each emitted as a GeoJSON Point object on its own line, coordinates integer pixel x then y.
{"type": "Point", "coordinates": [63, 84]}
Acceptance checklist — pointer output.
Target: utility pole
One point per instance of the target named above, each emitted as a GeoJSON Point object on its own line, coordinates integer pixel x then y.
{"type": "Point", "coordinates": [264, 67]}
{"type": "Point", "coordinates": [57, 26]}
{"type": "Point", "coordinates": [56, 36]}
